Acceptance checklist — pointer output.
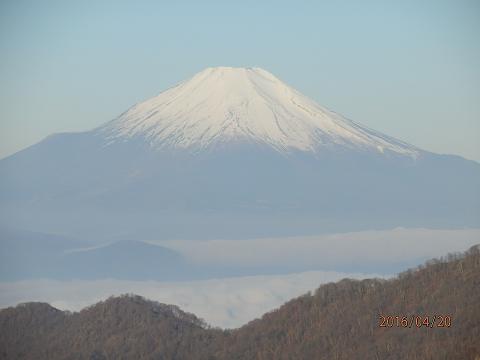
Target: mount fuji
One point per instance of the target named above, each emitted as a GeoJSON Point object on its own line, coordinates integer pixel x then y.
{"type": "Point", "coordinates": [232, 152]}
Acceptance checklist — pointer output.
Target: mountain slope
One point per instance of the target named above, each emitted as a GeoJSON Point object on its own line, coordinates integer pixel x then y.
{"type": "Point", "coordinates": [341, 320]}
{"type": "Point", "coordinates": [338, 321]}
{"type": "Point", "coordinates": [232, 153]}
{"type": "Point", "coordinates": [130, 326]}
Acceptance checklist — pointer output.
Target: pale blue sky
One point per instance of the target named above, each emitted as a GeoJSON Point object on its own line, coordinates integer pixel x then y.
{"type": "Point", "coordinates": [408, 68]}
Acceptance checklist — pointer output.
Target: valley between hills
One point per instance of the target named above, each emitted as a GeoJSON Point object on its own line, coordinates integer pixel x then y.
{"type": "Point", "coordinates": [336, 321]}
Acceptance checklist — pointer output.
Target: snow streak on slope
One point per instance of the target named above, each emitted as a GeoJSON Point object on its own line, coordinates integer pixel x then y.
{"type": "Point", "coordinates": [222, 104]}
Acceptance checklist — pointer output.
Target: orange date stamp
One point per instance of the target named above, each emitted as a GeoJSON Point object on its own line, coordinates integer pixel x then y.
{"type": "Point", "coordinates": [415, 321]}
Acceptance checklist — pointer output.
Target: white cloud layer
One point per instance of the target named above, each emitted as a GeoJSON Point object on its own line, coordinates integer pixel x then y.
{"type": "Point", "coordinates": [226, 303]}
{"type": "Point", "coordinates": [231, 302]}
{"type": "Point", "coordinates": [366, 251]}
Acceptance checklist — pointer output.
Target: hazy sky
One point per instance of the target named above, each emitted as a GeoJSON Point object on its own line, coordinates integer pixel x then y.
{"type": "Point", "coordinates": [408, 68]}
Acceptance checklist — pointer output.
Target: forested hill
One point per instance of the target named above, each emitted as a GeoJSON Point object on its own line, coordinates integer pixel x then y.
{"type": "Point", "coordinates": [337, 321]}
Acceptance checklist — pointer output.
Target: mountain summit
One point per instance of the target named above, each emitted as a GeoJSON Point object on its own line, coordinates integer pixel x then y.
{"type": "Point", "coordinates": [224, 104]}
{"type": "Point", "coordinates": [232, 153]}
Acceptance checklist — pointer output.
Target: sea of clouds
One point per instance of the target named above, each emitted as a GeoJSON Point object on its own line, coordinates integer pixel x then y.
{"type": "Point", "coordinates": [233, 301]}
{"type": "Point", "coordinates": [226, 303]}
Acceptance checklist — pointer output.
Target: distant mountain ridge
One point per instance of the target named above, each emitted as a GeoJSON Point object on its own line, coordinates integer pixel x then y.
{"type": "Point", "coordinates": [338, 321]}
{"type": "Point", "coordinates": [26, 255]}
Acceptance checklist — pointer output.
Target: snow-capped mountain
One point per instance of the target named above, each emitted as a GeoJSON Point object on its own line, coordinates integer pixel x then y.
{"type": "Point", "coordinates": [224, 104]}
{"type": "Point", "coordinates": [232, 152]}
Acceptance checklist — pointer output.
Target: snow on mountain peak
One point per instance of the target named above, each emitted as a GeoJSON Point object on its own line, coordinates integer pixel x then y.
{"type": "Point", "coordinates": [223, 104]}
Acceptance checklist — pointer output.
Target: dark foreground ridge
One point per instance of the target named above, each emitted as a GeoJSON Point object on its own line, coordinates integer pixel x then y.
{"type": "Point", "coordinates": [338, 321]}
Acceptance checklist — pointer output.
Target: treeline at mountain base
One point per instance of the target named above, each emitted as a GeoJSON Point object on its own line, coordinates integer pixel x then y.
{"type": "Point", "coordinates": [432, 312]}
